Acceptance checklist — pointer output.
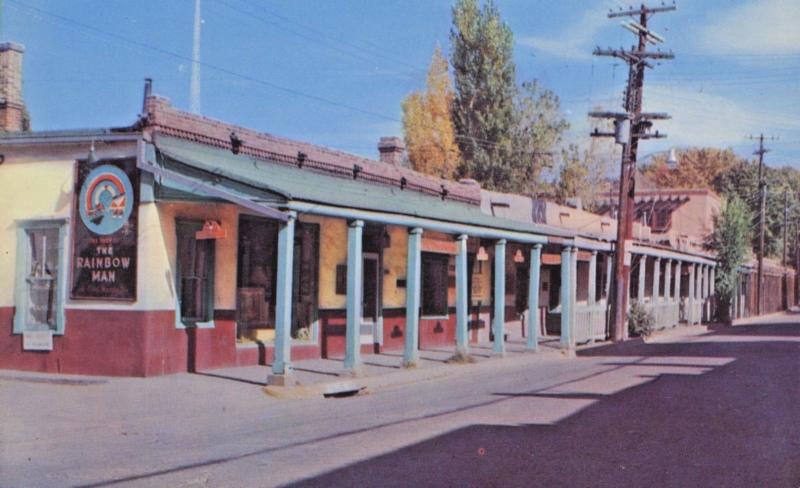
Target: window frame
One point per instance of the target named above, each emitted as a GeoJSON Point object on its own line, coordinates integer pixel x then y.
{"type": "Point", "coordinates": [181, 230]}
{"type": "Point", "coordinates": [435, 314]}
{"type": "Point", "coordinates": [21, 293]}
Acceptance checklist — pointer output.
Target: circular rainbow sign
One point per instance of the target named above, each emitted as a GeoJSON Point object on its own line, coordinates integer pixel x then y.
{"type": "Point", "coordinates": [106, 199]}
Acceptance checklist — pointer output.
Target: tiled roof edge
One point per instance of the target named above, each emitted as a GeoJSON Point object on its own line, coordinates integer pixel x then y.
{"type": "Point", "coordinates": [162, 117]}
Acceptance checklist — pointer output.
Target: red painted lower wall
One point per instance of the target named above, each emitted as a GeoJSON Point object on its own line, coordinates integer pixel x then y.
{"type": "Point", "coordinates": [264, 354]}
{"type": "Point", "coordinates": [135, 343]}
{"type": "Point", "coordinates": [147, 343]}
{"type": "Point", "coordinates": [98, 342]}
{"type": "Point", "coordinates": [438, 333]}
{"type": "Point", "coordinates": [434, 333]}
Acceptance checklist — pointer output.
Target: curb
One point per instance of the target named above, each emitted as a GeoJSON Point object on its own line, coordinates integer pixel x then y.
{"type": "Point", "coordinates": [368, 384]}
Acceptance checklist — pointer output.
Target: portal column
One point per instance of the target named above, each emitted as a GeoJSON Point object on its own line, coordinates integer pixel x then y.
{"type": "Point", "coordinates": [282, 365]}
{"type": "Point", "coordinates": [691, 298]}
{"type": "Point", "coordinates": [698, 290]}
{"type": "Point", "coordinates": [413, 291]}
{"type": "Point", "coordinates": [609, 274]}
{"type": "Point", "coordinates": [355, 289]}
{"type": "Point", "coordinates": [573, 293]}
{"type": "Point", "coordinates": [499, 345]}
{"type": "Point", "coordinates": [462, 298]}
{"type": "Point", "coordinates": [712, 291]}
{"type": "Point", "coordinates": [567, 337]}
{"type": "Point", "coordinates": [642, 271]}
{"type": "Point", "coordinates": [667, 293]}
{"type": "Point", "coordinates": [657, 280]}
{"type": "Point", "coordinates": [667, 280]}
{"type": "Point", "coordinates": [533, 298]}
{"type": "Point", "coordinates": [593, 279]}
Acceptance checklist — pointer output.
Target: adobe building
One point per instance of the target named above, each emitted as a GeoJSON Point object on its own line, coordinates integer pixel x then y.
{"type": "Point", "coordinates": [182, 243]}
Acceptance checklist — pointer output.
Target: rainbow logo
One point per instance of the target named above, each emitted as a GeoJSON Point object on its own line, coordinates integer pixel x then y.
{"type": "Point", "coordinates": [106, 200]}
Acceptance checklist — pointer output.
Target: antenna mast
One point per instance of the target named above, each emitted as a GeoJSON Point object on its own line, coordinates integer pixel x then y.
{"type": "Point", "coordinates": [194, 89]}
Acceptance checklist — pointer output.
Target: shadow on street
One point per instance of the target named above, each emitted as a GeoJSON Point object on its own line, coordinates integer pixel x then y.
{"type": "Point", "coordinates": [735, 425]}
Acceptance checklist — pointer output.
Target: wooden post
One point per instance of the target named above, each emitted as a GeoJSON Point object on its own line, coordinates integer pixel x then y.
{"type": "Point", "coordinates": [413, 292]}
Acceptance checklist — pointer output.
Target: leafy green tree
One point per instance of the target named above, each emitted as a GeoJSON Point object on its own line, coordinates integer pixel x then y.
{"type": "Point", "coordinates": [505, 134]}
{"type": "Point", "coordinates": [573, 179]}
{"type": "Point", "coordinates": [538, 127]}
{"type": "Point", "coordinates": [428, 125]}
{"type": "Point", "coordinates": [731, 240]}
{"type": "Point", "coordinates": [483, 108]}
{"type": "Point", "coordinates": [741, 180]}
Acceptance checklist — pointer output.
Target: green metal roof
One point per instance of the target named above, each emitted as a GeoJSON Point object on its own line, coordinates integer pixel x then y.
{"type": "Point", "coordinates": [296, 184]}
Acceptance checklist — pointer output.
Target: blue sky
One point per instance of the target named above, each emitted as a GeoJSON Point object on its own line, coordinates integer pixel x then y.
{"type": "Point", "coordinates": [335, 72]}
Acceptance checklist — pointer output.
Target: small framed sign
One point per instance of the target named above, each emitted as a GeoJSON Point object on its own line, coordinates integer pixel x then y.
{"type": "Point", "coordinates": [37, 340]}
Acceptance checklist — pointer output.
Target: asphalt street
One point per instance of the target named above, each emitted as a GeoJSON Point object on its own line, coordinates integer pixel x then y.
{"type": "Point", "coordinates": [689, 408]}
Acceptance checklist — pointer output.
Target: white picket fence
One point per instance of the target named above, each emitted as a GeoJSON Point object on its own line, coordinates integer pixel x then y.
{"type": "Point", "coordinates": [665, 313]}
{"type": "Point", "coordinates": [692, 311]}
{"type": "Point", "coordinates": [590, 322]}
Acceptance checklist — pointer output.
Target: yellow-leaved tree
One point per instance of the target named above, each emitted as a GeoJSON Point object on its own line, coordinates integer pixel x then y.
{"type": "Point", "coordinates": [427, 123]}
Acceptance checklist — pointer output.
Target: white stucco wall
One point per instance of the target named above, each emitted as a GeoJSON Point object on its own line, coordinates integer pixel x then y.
{"type": "Point", "coordinates": [37, 183]}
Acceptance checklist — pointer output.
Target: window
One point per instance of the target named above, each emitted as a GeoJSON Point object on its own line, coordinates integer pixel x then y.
{"type": "Point", "coordinates": [434, 284]}
{"type": "Point", "coordinates": [40, 281]}
{"type": "Point", "coordinates": [195, 275]}
{"type": "Point", "coordinates": [663, 220]}
{"type": "Point", "coordinates": [257, 277]}
{"type": "Point", "coordinates": [257, 264]}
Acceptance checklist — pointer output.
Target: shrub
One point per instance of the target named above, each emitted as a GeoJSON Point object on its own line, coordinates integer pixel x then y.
{"type": "Point", "coordinates": [640, 320]}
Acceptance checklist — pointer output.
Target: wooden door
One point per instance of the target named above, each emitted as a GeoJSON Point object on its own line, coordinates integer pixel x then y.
{"type": "Point", "coordinates": [305, 281]}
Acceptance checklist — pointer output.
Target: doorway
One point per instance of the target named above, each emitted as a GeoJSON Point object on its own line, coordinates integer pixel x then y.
{"type": "Point", "coordinates": [371, 299]}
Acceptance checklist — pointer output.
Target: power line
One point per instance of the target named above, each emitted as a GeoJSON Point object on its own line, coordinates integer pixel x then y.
{"type": "Point", "coordinates": [376, 51]}
{"type": "Point", "coordinates": [227, 71]}
{"type": "Point", "coordinates": [302, 35]}
{"type": "Point", "coordinates": [201, 63]}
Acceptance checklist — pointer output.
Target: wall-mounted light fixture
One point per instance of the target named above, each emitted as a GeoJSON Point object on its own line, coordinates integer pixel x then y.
{"type": "Point", "coordinates": [91, 158]}
{"type": "Point", "coordinates": [236, 143]}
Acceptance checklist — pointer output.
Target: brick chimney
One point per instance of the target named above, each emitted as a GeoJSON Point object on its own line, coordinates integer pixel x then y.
{"type": "Point", "coordinates": [13, 115]}
{"type": "Point", "coordinates": [392, 150]}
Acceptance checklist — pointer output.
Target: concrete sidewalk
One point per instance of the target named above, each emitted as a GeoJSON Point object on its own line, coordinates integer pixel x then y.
{"type": "Point", "coordinates": [319, 377]}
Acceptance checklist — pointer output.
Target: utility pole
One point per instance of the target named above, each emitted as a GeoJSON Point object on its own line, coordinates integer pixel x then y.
{"type": "Point", "coordinates": [785, 281]}
{"type": "Point", "coordinates": [785, 222]}
{"type": "Point", "coordinates": [630, 127]}
{"type": "Point", "coordinates": [796, 264]}
{"type": "Point", "coordinates": [762, 217]}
